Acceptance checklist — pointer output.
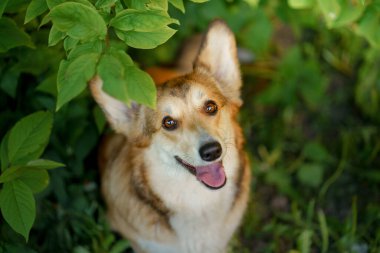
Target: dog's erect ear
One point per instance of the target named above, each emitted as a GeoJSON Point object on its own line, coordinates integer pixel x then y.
{"type": "Point", "coordinates": [218, 56]}
{"type": "Point", "coordinates": [120, 116]}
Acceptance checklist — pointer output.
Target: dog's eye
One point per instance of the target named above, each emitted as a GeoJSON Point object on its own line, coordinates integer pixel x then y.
{"type": "Point", "coordinates": [169, 123]}
{"type": "Point", "coordinates": [211, 107]}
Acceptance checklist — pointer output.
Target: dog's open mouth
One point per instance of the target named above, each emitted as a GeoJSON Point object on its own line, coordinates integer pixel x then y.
{"type": "Point", "coordinates": [212, 175]}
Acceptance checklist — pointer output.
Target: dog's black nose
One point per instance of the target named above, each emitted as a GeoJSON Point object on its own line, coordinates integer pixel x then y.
{"type": "Point", "coordinates": [210, 151]}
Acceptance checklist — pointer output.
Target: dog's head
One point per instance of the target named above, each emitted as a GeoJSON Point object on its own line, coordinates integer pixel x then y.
{"type": "Point", "coordinates": [193, 126]}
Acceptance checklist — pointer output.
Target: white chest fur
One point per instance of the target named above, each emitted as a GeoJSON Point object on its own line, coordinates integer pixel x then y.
{"type": "Point", "coordinates": [201, 217]}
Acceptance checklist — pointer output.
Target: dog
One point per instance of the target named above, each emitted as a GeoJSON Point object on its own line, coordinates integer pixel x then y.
{"type": "Point", "coordinates": [176, 179]}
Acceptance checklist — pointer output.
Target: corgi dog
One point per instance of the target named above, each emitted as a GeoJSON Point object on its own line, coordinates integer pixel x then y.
{"type": "Point", "coordinates": [176, 179]}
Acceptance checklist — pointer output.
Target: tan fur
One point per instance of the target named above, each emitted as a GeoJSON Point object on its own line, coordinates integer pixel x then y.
{"type": "Point", "coordinates": [151, 199]}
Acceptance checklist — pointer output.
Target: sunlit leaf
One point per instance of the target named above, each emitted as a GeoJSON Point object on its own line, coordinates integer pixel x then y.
{"type": "Point", "coordinates": [78, 21]}
{"type": "Point", "coordinates": [146, 40]}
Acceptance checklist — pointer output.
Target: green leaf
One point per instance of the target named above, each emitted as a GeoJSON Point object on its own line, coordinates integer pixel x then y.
{"type": "Point", "coordinates": [141, 20]}
{"type": "Point", "coordinates": [105, 3]}
{"type": "Point", "coordinates": [178, 4]}
{"type": "Point", "coordinates": [330, 10]}
{"type": "Point", "coordinates": [100, 120]}
{"type": "Point", "coordinates": [35, 8]}
{"type": "Point", "coordinates": [78, 21]}
{"type": "Point", "coordinates": [368, 26]}
{"type": "Point", "coordinates": [73, 77]}
{"type": "Point", "coordinates": [4, 152]}
{"type": "Point", "coordinates": [18, 207]}
{"type": "Point", "coordinates": [69, 43]}
{"type": "Point", "coordinates": [146, 40]}
{"type": "Point", "coordinates": [36, 179]}
{"type": "Point", "coordinates": [316, 152]}
{"type": "Point", "coordinates": [199, 1]}
{"type": "Point", "coordinates": [310, 174]}
{"type": "Point", "coordinates": [52, 3]}
{"type": "Point", "coordinates": [44, 164]}
{"type": "Point", "coordinates": [140, 86]}
{"type": "Point", "coordinates": [49, 85]}
{"type": "Point", "coordinates": [3, 4]}
{"type": "Point", "coordinates": [324, 230]}
{"type": "Point", "coordinates": [86, 48]}
{"type": "Point", "coordinates": [10, 174]}
{"type": "Point", "coordinates": [137, 4]}
{"type": "Point", "coordinates": [120, 246]}
{"type": "Point", "coordinates": [339, 13]}
{"type": "Point", "coordinates": [11, 36]}
{"type": "Point", "coordinates": [29, 137]}
{"type": "Point", "coordinates": [23, 171]}
{"type": "Point", "coordinates": [55, 36]}
{"type": "Point", "coordinates": [9, 81]}
{"type": "Point", "coordinates": [300, 4]}
{"type": "Point", "coordinates": [304, 241]}
{"type": "Point", "coordinates": [114, 78]}
{"type": "Point", "coordinates": [158, 5]}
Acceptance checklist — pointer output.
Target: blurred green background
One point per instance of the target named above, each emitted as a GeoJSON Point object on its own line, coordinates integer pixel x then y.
{"type": "Point", "coordinates": [311, 119]}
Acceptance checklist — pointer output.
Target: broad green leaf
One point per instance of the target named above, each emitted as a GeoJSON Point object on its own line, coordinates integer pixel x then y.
{"type": "Point", "coordinates": [69, 43]}
{"type": "Point", "coordinates": [368, 26]}
{"type": "Point", "coordinates": [11, 36]}
{"type": "Point", "coordinates": [44, 164]}
{"type": "Point", "coordinates": [140, 86]}
{"type": "Point", "coordinates": [141, 20]}
{"type": "Point", "coordinates": [158, 5]}
{"type": "Point", "coordinates": [10, 174]}
{"type": "Point", "coordinates": [16, 172]}
{"type": "Point", "coordinates": [138, 4]}
{"type": "Point", "coordinates": [35, 8]}
{"type": "Point", "coordinates": [104, 3]}
{"type": "Point", "coordinates": [178, 4]}
{"type": "Point", "coordinates": [146, 40]}
{"type": "Point", "coordinates": [301, 4]}
{"type": "Point", "coordinates": [3, 4]}
{"type": "Point", "coordinates": [46, 19]}
{"type": "Point", "coordinates": [78, 21]}
{"type": "Point", "coordinates": [86, 48]}
{"type": "Point", "coordinates": [29, 137]}
{"type": "Point", "coordinates": [55, 36]}
{"type": "Point", "coordinates": [4, 152]}
{"type": "Point", "coordinates": [36, 179]}
{"type": "Point", "coordinates": [52, 3]}
{"type": "Point", "coordinates": [18, 207]}
{"type": "Point", "coordinates": [310, 174]}
{"type": "Point", "coordinates": [73, 77]}
{"type": "Point", "coordinates": [114, 78]}
{"type": "Point", "coordinates": [199, 1]}
{"type": "Point", "coordinates": [122, 56]}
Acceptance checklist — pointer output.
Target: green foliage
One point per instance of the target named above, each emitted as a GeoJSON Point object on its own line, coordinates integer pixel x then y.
{"type": "Point", "coordinates": [310, 117]}
{"type": "Point", "coordinates": [22, 174]}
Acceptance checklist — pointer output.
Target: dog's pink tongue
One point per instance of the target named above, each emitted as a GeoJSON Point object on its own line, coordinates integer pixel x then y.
{"type": "Point", "coordinates": [212, 175]}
